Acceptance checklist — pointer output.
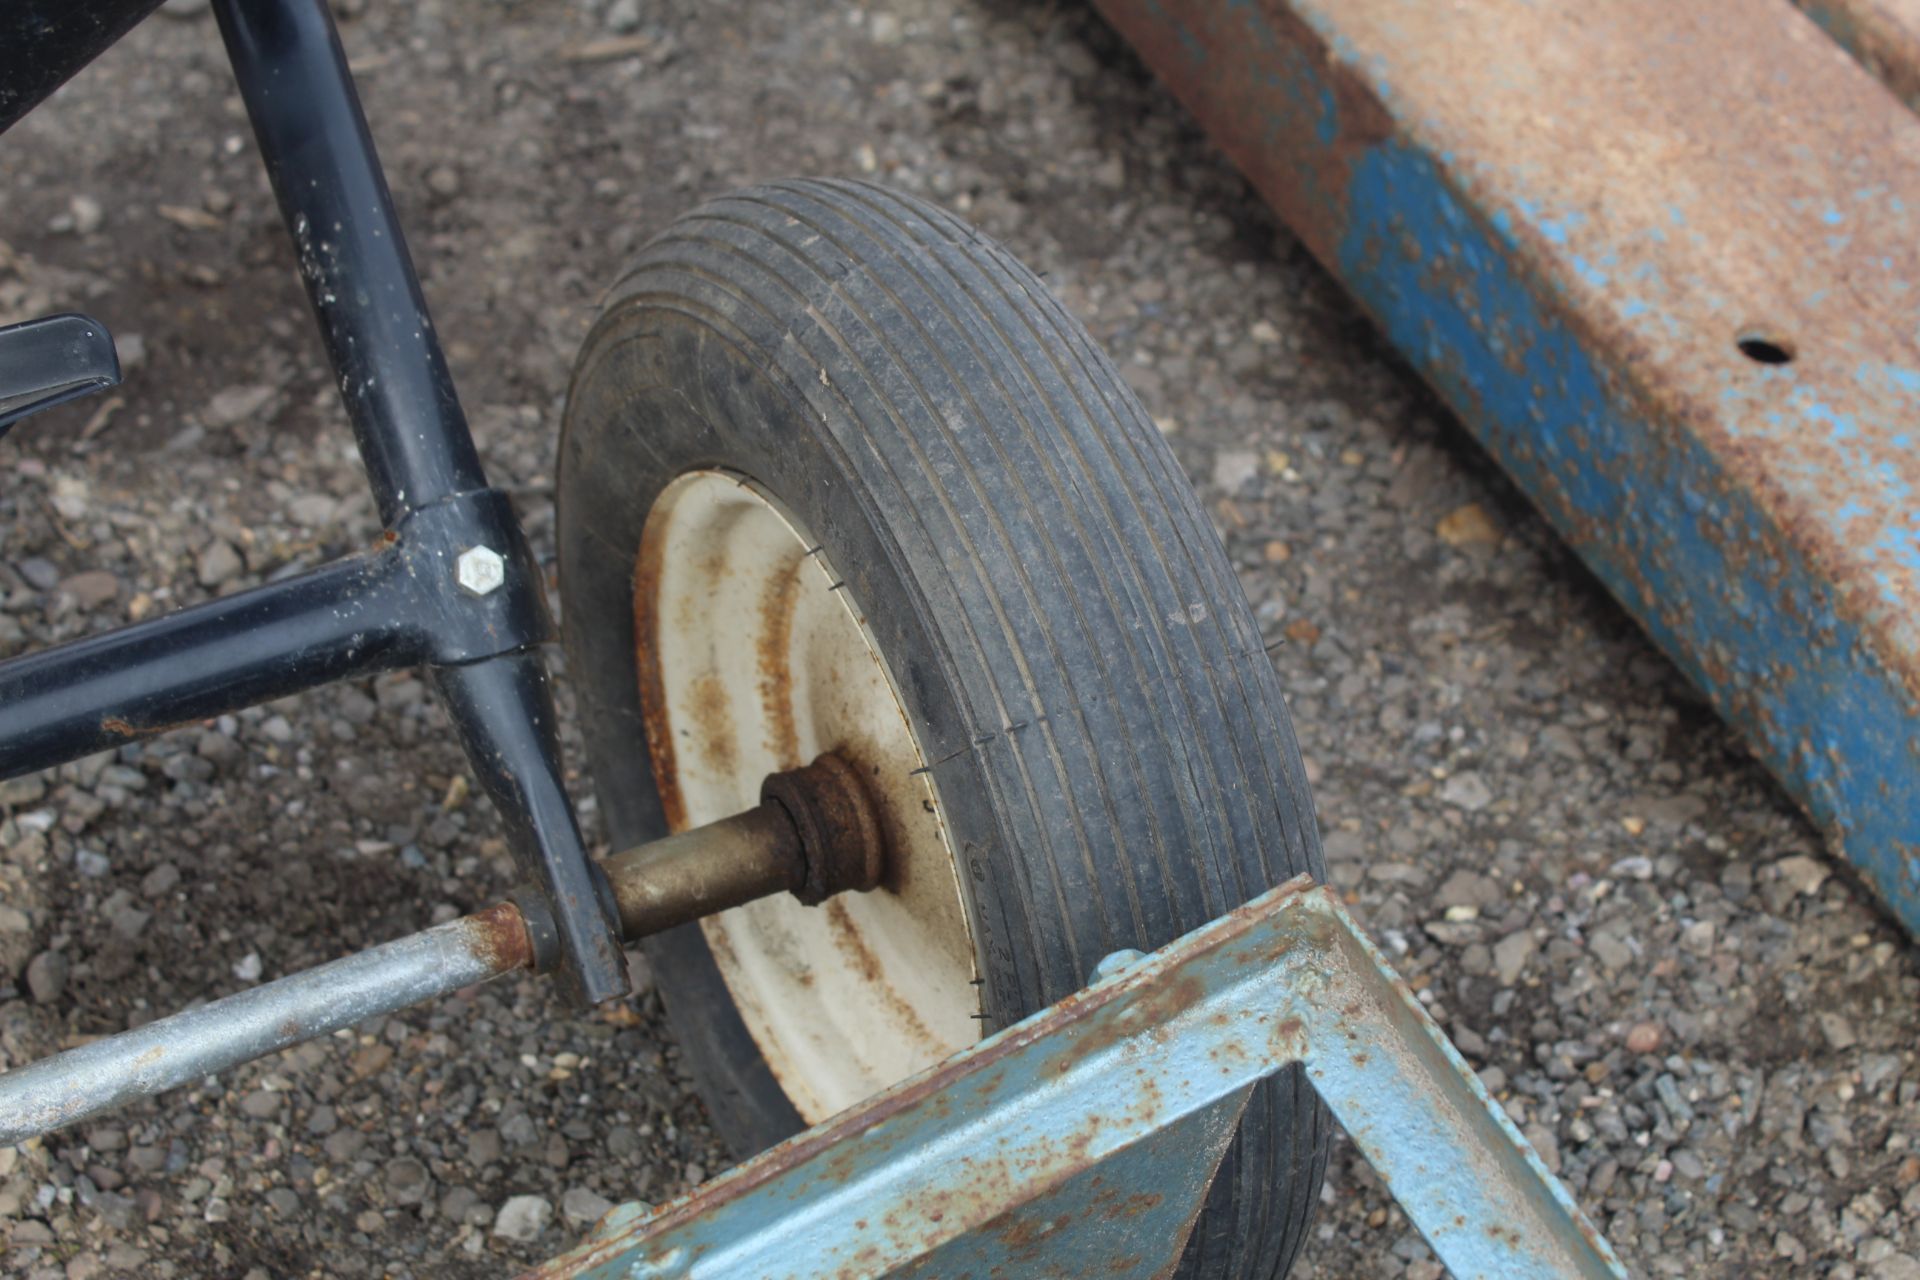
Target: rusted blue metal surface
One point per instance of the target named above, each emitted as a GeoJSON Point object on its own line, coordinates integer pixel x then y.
{"type": "Point", "coordinates": [1081, 1142]}
{"type": "Point", "coordinates": [1664, 259]}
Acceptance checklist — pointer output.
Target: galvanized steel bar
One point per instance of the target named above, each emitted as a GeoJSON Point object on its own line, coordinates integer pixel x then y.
{"type": "Point", "coordinates": [1664, 259]}
{"type": "Point", "coordinates": [187, 1046]}
{"type": "Point", "coordinates": [1040, 1135]}
{"type": "Point", "coordinates": [815, 834]}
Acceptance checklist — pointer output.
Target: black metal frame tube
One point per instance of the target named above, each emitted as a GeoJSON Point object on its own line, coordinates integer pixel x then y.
{"type": "Point", "coordinates": [101, 692]}
{"type": "Point", "coordinates": [386, 359]}
{"type": "Point", "coordinates": [43, 42]}
{"type": "Point", "coordinates": [397, 606]}
{"type": "Point", "coordinates": [503, 710]}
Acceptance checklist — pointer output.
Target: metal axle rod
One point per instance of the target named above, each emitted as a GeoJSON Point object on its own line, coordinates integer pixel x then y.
{"type": "Point", "coordinates": [813, 834]}
{"type": "Point", "coordinates": [195, 1043]}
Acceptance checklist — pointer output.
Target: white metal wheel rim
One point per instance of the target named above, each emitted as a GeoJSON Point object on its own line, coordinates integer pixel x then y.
{"type": "Point", "coordinates": [753, 658]}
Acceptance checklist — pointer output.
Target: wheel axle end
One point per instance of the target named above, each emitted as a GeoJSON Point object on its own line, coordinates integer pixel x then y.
{"type": "Point", "coordinates": [841, 843]}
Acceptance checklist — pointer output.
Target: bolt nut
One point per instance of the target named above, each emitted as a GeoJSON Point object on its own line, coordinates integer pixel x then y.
{"type": "Point", "coordinates": [480, 570]}
{"type": "Point", "coordinates": [840, 839]}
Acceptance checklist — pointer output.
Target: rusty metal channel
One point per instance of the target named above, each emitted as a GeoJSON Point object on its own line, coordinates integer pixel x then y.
{"type": "Point", "coordinates": [1082, 1141]}
{"type": "Point", "coordinates": [1664, 260]}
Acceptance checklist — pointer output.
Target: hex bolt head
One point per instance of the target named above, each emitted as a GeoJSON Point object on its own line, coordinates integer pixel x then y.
{"type": "Point", "coordinates": [480, 570]}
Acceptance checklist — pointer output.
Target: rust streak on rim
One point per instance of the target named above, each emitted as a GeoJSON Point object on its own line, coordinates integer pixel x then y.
{"type": "Point", "coordinates": [870, 968]}
{"type": "Point", "coordinates": [777, 604]}
{"type": "Point", "coordinates": [648, 564]}
{"type": "Point", "coordinates": [749, 660]}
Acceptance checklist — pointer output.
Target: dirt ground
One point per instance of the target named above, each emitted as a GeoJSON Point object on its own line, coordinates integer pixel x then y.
{"type": "Point", "coordinates": [1704, 1024]}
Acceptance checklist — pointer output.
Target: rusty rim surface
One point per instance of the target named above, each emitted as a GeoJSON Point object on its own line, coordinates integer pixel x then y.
{"type": "Point", "coordinates": [753, 658]}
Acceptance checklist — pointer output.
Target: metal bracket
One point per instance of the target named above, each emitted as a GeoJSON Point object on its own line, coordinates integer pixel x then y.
{"type": "Point", "coordinates": [400, 605]}
{"type": "Point", "coordinates": [52, 360]}
{"type": "Point", "coordinates": [454, 624]}
{"type": "Point", "coordinates": [396, 606]}
{"type": "Point", "coordinates": [1082, 1141]}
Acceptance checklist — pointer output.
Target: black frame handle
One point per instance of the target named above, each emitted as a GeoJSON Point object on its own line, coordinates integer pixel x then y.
{"type": "Point", "coordinates": [404, 602]}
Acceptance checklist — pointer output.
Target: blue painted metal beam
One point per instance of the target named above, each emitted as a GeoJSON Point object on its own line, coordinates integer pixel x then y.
{"type": "Point", "coordinates": [1082, 1141]}
{"type": "Point", "coordinates": [1664, 259]}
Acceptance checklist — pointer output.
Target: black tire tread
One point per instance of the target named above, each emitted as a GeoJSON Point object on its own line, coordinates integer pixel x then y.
{"type": "Point", "coordinates": [1146, 791]}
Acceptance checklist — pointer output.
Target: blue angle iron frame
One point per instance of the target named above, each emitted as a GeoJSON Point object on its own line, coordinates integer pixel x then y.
{"type": "Point", "coordinates": [1082, 1141]}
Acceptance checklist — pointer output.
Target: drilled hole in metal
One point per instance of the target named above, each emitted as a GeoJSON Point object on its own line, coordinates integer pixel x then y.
{"type": "Point", "coordinates": [1764, 350]}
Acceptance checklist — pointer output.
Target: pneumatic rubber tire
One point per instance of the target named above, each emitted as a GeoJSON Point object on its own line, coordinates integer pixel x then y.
{"type": "Point", "coordinates": [1071, 646]}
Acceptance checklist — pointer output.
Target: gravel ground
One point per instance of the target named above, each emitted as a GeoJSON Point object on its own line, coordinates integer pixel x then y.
{"type": "Point", "coordinates": [1700, 1020]}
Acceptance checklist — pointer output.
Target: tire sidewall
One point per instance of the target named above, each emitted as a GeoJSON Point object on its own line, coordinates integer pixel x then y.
{"type": "Point", "coordinates": [1081, 670]}
{"type": "Point", "coordinates": [631, 429]}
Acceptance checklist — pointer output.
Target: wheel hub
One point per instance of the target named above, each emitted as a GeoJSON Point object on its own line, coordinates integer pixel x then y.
{"type": "Point", "coordinates": [754, 659]}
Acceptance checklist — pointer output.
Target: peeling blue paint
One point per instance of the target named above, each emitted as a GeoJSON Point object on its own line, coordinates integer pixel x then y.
{"type": "Point", "coordinates": [1082, 1141]}
{"type": "Point", "coordinates": [1724, 593]}
{"type": "Point", "coordinates": [1758, 517]}
{"type": "Point", "coordinates": [1589, 273]}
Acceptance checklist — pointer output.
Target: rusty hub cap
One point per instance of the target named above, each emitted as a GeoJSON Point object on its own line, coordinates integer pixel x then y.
{"type": "Point", "coordinates": [754, 660]}
{"type": "Point", "coordinates": [840, 841]}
